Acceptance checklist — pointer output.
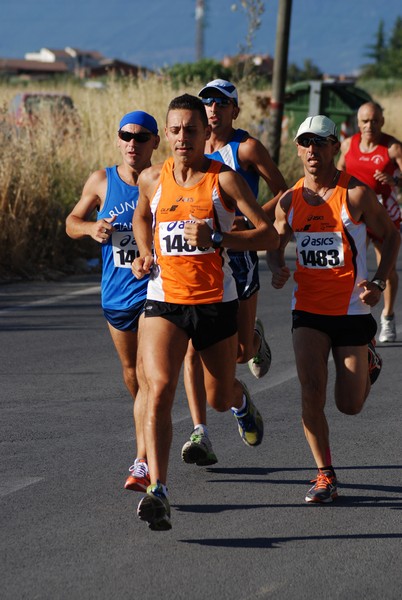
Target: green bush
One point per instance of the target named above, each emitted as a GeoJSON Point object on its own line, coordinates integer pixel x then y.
{"type": "Point", "coordinates": [201, 71]}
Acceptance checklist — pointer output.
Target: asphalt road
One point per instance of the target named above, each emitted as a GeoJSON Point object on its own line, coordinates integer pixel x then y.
{"type": "Point", "coordinates": [241, 529]}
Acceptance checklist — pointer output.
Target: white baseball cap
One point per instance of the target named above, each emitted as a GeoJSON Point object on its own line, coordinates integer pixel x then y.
{"type": "Point", "coordinates": [220, 85]}
{"type": "Point", "coordinates": [318, 125]}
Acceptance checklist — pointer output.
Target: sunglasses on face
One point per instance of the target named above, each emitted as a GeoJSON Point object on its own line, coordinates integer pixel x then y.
{"type": "Point", "coordinates": [141, 137]}
{"type": "Point", "coordinates": [318, 141]}
{"type": "Point", "coordinates": [218, 101]}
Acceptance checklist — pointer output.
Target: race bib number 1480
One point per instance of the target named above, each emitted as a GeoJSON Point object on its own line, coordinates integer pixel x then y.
{"type": "Point", "coordinates": [172, 240]}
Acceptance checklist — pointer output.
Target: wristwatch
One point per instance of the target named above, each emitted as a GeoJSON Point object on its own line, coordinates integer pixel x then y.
{"type": "Point", "coordinates": [380, 283]}
{"type": "Point", "coordinates": [216, 238]}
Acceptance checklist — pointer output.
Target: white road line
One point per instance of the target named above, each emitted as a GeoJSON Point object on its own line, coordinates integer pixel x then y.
{"type": "Point", "coordinates": [53, 300]}
{"type": "Point", "coordinates": [14, 485]}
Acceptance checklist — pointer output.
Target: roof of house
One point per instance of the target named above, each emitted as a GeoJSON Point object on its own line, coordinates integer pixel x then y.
{"type": "Point", "coordinates": [78, 52]}
{"type": "Point", "coordinates": [20, 64]}
{"type": "Point", "coordinates": [57, 53]}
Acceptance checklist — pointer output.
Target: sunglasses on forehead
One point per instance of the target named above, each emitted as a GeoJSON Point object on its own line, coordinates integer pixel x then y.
{"type": "Point", "coordinates": [218, 101]}
{"type": "Point", "coordinates": [141, 137]}
{"type": "Point", "coordinates": [306, 142]}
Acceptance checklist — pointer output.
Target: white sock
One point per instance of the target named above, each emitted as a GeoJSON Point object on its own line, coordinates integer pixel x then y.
{"type": "Point", "coordinates": [242, 407]}
{"type": "Point", "coordinates": [204, 428]}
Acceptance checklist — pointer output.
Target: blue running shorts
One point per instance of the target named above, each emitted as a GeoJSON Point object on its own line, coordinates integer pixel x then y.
{"type": "Point", "coordinates": [125, 320]}
{"type": "Point", "coordinates": [245, 271]}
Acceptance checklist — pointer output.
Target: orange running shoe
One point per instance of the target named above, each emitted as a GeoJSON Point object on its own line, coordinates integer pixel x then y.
{"type": "Point", "coordinates": [325, 488]}
{"type": "Point", "coordinates": [138, 480]}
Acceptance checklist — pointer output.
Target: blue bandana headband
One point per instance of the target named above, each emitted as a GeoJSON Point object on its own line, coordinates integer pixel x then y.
{"type": "Point", "coordinates": [139, 117]}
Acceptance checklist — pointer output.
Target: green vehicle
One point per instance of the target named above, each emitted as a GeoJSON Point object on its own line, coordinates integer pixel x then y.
{"type": "Point", "coordinates": [338, 100]}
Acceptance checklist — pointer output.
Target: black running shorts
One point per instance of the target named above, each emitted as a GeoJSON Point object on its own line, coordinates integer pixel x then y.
{"type": "Point", "coordinates": [344, 330]}
{"type": "Point", "coordinates": [205, 324]}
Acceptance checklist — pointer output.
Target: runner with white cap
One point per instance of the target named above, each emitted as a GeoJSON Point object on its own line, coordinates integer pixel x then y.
{"type": "Point", "coordinates": [328, 212]}
{"type": "Point", "coordinates": [249, 157]}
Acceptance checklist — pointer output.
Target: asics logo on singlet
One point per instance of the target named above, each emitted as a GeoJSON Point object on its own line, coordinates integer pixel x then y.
{"type": "Point", "coordinates": [182, 199]}
{"type": "Point", "coordinates": [323, 241]}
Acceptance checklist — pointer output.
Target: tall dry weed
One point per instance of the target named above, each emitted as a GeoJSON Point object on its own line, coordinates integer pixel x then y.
{"type": "Point", "coordinates": [42, 173]}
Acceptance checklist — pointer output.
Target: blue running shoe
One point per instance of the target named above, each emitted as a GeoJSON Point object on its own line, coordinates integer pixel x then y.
{"type": "Point", "coordinates": [250, 423]}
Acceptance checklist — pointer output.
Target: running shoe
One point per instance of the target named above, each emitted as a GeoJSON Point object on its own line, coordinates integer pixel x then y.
{"type": "Point", "coordinates": [249, 421]}
{"type": "Point", "coordinates": [374, 362]}
{"type": "Point", "coordinates": [154, 508]}
{"type": "Point", "coordinates": [324, 489]}
{"type": "Point", "coordinates": [198, 450]}
{"type": "Point", "coordinates": [138, 480]}
{"type": "Point", "coordinates": [388, 329]}
{"type": "Point", "coordinates": [260, 364]}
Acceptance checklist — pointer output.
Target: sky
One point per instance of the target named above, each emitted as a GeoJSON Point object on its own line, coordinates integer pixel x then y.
{"type": "Point", "coordinates": [156, 33]}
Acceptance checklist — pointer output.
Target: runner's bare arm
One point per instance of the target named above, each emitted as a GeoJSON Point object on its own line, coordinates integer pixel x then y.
{"type": "Point", "coordinates": [341, 164]}
{"type": "Point", "coordinates": [142, 221]}
{"type": "Point", "coordinates": [253, 154]}
{"type": "Point", "coordinates": [78, 222]}
{"type": "Point", "coordinates": [236, 191]}
{"type": "Point", "coordinates": [395, 153]}
{"type": "Point", "coordinates": [236, 194]}
{"type": "Point", "coordinates": [276, 259]}
{"type": "Point", "coordinates": [364, 205]}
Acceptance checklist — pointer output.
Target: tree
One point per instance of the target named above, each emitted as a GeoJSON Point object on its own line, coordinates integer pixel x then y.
{"type": "Point", "coordinates": [254, 10]}
{"type": "Point", "coordinates": [377, 50]}
{"type": "Point", "coordinates": [387, 56]}
{"type": "Point", "coordinates": [308, 71]}
{"type": "Point", "coordinates": [395, 42]}
{"type": "Point", "coordinates": [202, 70]}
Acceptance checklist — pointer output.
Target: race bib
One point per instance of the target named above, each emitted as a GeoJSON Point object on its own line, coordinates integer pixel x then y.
{"type": "Point", "coordinates": [172, 240]}
{"type": "Point", "coordinates": [320, 250]}
{"type": "Point", "coordinates": [124, 248]}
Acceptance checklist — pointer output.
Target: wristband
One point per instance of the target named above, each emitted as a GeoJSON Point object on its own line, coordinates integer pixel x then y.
{"type": "Point", "coordinates": [380, 283]}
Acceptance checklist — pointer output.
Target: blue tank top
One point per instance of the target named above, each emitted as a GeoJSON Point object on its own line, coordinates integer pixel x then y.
{"type": "Point", "coordinates": [228, 155]}
{"type": "Point", "coordinates": [120, 290]}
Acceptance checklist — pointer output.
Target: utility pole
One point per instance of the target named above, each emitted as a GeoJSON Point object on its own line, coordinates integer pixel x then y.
{"type": "Point", "coordinates": [279, 78]}
{"type": "Point", "coordinates": [199, 29]}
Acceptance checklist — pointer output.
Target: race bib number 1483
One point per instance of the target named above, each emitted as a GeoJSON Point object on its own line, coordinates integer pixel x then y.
{"type": "Point", "coordinates": [320, 250]}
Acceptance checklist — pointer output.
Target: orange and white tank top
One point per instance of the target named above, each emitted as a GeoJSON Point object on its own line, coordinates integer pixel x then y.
{"type": "Point", "coordinates": [331, 254]}
{"type": "Point", "coordinates": [185, 274]}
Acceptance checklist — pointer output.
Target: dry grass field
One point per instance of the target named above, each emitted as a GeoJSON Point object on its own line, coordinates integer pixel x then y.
{"type": "Point", "coordinates": [42, 174]}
